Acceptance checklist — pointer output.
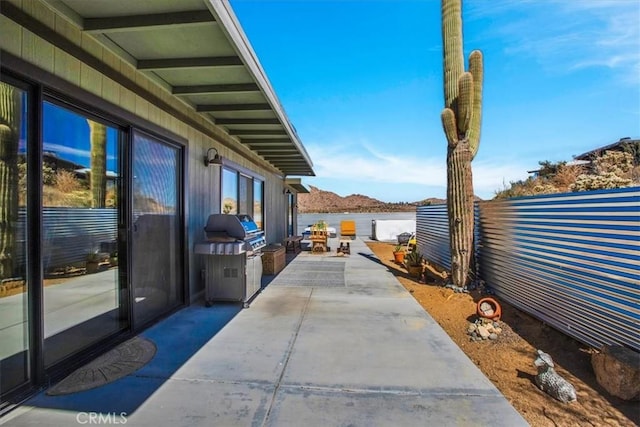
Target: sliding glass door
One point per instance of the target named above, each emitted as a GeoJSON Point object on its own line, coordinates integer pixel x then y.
{"type": "Point", "coordinates": [91, 231]}
{"type": "Point", "coordinates": [157, 266]}
{"type": "Point", "coordinates": [14, 286]}
{"type": "Point", "coordinates": [82, 299]}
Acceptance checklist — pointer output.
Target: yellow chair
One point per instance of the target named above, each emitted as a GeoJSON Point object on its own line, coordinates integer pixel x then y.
{"type": "Point", "coordinates": [348, 228]}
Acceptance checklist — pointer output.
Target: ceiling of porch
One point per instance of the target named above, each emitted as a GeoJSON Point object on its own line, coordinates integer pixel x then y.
{"type": "Point", "coordinates": [198, 51]}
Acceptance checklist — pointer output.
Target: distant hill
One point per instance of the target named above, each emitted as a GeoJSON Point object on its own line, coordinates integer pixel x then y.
{"type": "Point", "coordinates": [320, 201]}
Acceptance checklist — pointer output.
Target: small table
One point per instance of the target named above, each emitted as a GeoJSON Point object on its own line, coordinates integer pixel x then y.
{"type": "Point", "coordinates": [345, 246]}
{"type": "Point", "coordinates": [292, 244]}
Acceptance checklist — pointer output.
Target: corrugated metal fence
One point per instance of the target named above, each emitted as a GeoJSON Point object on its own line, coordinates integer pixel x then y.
{"type": "Point", "coordinates": [70, 234]}
{"type": "Point", "coordinates": [432, 234]}
{"type": "Point", "coordinates": [571, 260]}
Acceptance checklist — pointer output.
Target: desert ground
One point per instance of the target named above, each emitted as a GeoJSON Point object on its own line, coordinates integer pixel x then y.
{"type": "Point", "coordinates": [508, 360]}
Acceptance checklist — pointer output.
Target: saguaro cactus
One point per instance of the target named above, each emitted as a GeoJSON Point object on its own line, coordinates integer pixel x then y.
{"type": "Point", "coordinates": [10, 103]}
{"type": "Point", "coordinates": [98, 177]}
{"type": "Point", "coordinates": [461, 120]}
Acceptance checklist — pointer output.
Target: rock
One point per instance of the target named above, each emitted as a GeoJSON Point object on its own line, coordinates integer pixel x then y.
{"type": "Point", "coordinates": [493, 336]}
{"type": "Point", "coordinates": [497, 330]}
{"type": "Point", "coordinates": [472, 328]}
{"type": "Point", "coordinates": [486, 309]}
{"type": "Point", "coordinates": [489, 328]}
{"type": "Point", "coordinates": [482, 331]}
{"type": "Point", "coordinates": [617, 370]}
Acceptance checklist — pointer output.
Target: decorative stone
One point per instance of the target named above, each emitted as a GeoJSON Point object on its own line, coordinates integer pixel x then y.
{"type": "Point", "coordinates": [617, 370]}
{"type": "Point", "coordinates": [493, 336]}
{"type": "Point", "coordinates": [497, 330]}
{"type": "Point", "coordinates": [471, 328]}
{"type": "Point", "coordinates": [486, 309]}
{"type": "Point", "coordinates": [482, 331]}
{"type": "Point", "coordinates": [549, 381]}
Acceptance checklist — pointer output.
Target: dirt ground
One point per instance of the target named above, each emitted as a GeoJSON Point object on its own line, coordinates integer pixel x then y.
{"type": "Point", "coordinates": [508, 361]}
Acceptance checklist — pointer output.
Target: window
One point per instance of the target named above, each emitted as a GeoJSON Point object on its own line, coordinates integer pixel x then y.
{"type": "Point", "coordinates": [245, 200]}
{"type": "Point", "coordinates": [242, 194]}
{"type": "Point", "coordinates": [257, 203]}
{"type": "Point", "coordinates": [229, 191]}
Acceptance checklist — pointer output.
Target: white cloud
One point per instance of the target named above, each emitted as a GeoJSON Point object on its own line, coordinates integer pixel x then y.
{"type": "Point", "coordinates": [368, 165]}
{"type": "Point", "coordinates": [565, 36]}
{"type": "Point", "coordinates": [60, 148]}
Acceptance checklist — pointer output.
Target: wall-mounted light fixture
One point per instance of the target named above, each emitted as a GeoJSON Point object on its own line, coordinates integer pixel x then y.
{"type": "Point", "coordinates": [215, 160]}
{"type": "Point", "coordinates": [286, 191]}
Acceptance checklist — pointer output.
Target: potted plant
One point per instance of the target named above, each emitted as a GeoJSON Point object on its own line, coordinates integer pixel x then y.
{"type": "Point", "coordinates": [413, 261]}
{"type": "Point", "coordinates": [113, 259]}
{"type": "Point", "coordinates": [398, 254]}
{"type": "Point", "coordinates": [92, 262]}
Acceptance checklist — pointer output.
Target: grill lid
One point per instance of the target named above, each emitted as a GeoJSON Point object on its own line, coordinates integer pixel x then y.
{"type": "Point", "coordinates": [240, 227]}
{"type": "Point", "coordinates": [229, 228]}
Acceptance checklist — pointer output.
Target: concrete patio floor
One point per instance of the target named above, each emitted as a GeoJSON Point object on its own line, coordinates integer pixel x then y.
{"type": "Point", "coordinates": [331, 341]}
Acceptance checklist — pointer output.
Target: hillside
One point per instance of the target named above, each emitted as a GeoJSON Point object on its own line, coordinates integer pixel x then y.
{"type": "Point", "coordinates": [320, 201]}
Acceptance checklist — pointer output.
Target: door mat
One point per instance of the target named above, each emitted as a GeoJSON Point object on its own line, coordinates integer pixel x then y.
{"type": "Point", "coordinates": [121, 361]}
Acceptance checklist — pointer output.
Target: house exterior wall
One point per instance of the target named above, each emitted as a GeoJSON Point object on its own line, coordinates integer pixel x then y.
{"type": "Point", "coordinates": [202, 189]}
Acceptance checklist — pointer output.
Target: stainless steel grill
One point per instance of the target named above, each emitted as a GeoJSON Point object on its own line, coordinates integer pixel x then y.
{"type": "Point", "coordinates": [233, 246]}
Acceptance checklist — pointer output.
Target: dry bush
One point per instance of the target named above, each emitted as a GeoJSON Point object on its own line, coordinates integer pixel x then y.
{"type": "Point", "coordinates": [566, 176]}
{"type": "Point", "coordinates": [614, 169]}
{"type": "Point", "coordinates": [635, 175]}
{"type": "Point", "coordinates": [603, 181]}
{"type": "Point", "coordinates": [66, 182]}
{"type": "Point", "coordinates": [617, 162]}
{"type": "Point", "coordinates": [52, 197]}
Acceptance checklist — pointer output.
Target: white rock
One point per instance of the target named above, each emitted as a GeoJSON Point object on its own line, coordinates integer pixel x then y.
{"type": "Point", "coordinates": [483, 332]}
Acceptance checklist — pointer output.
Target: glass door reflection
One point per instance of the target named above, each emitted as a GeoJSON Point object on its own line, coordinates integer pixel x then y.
{"type": "Point", "coordinates": [82, 298]}
{"type": "Point", "coordinates": [14, 321]}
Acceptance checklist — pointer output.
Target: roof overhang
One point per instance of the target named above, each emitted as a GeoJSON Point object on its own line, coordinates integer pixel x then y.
{"type": "Point", "coordinates": [296, 185]}
{"type": "Point", "coordinates": [197, 50]}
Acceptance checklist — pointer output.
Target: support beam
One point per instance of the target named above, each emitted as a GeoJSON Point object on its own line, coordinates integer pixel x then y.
{"type": "Point", "coordinates": [232, 107]}
{"type": "Point", "coordinates": [284, 162]}
{"type": "Point", "coordinates": [282, 157]}
{"type": "Point", "coordinates": [275, 152]}
{"type": "Point", "coordinates": [247, 122]}
{"type": "Point", "coordinates": [256, 132]}
{"type": "Point", "coordinates": [270, 141]}
{"type": "Point", "coordinates": [142, 22]}
{"type": "Point", "coordinates": [206, 89]}
{"type": "Point", "coordinates": [168, 63]}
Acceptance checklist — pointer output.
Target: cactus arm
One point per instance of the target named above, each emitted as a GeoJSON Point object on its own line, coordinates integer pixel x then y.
{"type": "Point", "coordinates": [465, 100]}
{"type": "Point", "coordinates": [452, 45]}
{"type": "Point", "coordinates": [477, 71]}
{"type": "Point", "coordinates": [449, 126]}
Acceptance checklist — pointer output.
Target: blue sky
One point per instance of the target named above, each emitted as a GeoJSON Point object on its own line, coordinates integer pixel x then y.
{"type": "Point", "coordinates": [361, 80]}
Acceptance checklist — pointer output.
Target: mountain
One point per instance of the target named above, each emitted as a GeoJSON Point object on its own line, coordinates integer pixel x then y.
{"type": "Point", "coordinates": [320, 201]}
